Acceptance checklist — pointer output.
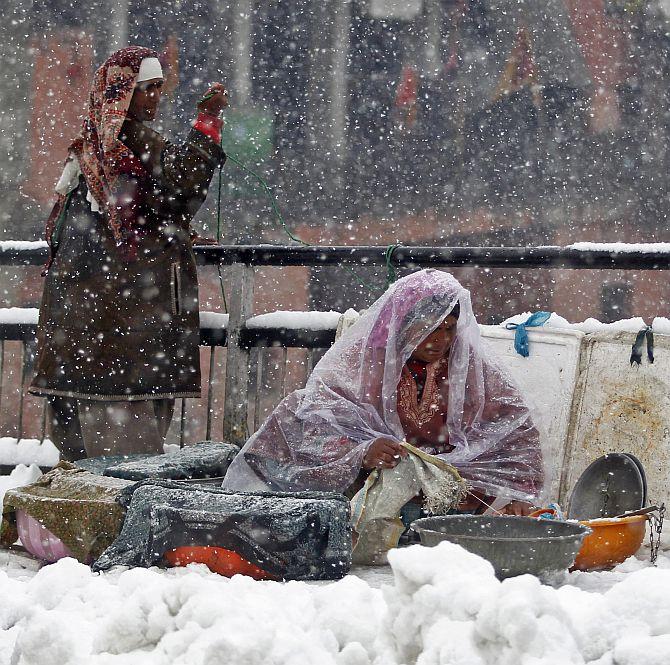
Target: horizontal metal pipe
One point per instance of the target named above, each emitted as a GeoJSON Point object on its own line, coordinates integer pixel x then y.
{"type": "Point", "coordinates": [409, 257]}
{"type": "Point", "coordinates": [23, 257]}
{"type": "Point", "coordinates": [437, 257]}
{"type": "Point", "coordinates": [271, 336]}
{"type": "Point", "coordinates": [288, 337]}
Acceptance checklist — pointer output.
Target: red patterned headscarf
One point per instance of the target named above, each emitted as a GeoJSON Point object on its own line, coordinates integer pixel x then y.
{"type": "Point", "coordinates": [102, 156]}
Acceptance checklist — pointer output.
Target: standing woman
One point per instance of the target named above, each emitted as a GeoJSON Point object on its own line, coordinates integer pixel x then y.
{"type": "Point", "coordinates": [118, 333]}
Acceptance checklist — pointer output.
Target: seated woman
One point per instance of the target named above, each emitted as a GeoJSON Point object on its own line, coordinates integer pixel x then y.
{"type": "Point", "coordinates": [413, 368]}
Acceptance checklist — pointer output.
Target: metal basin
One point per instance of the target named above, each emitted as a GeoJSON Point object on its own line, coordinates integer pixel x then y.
{"type": "Point", "coordinates": [513, 545]}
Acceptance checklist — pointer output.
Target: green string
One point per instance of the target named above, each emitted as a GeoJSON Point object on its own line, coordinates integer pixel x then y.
{"type": "Point", "coordinates": [391, 272]}
{"type": "Point", "coordinates": [218, 240]}
{"type": "Point", "coordinates": [275, 209]}
{"type": "Point", "coordinates": [269, 194]}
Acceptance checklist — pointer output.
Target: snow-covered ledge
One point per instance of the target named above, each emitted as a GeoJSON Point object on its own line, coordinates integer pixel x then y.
{"type": "Point", "coordinates": [21, 315]}
{"type": "Point", "coordinates": [10, 245]}
{"type": "Point", "coordinates": [291, 320]}
{"type": "Point", "coordinates": [618, 247]}
{"type": "Point", "coordinates": [295, 320]}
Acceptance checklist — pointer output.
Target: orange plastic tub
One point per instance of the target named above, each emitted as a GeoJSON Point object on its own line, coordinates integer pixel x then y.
{"type": "Point", "coordinates": [217, 559]}
{"type": "Point", "coordinates": [611, 542]}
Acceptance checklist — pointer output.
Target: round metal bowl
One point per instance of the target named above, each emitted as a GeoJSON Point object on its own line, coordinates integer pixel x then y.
{"type": "Point", "coordinates": [513, 545]}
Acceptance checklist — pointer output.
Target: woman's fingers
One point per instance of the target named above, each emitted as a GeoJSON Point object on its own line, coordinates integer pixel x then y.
{"type": "Point", "coordinates": [391, 457]}
{"type": "Point", "coordinates": [517, 508]}
{"type": "Point", "coordinates": [395, 449]}
{"type": "Point", "coordinates": [384, 453]}
{"type": "Point", "coordinates": [401, 450]}
{"type": "Point", "coordinates": [387, 460]}
{"type": "Point", "coordinates": [214, 89]}
{"type": "Point", "coordinates": [392, 453]}
{"type": "Point", "coordinates": [214, 100]}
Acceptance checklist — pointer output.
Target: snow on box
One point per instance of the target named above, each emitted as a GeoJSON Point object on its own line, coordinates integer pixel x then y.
{"type": "Point", "coordinates": [588, 326]}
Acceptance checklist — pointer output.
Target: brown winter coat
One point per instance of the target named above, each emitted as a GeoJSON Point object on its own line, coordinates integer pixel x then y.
{"type": "Point", "coordinates": [114, 327]}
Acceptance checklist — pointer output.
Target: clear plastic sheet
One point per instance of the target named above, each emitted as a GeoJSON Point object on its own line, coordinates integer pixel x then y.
{"type": "Point", "coordinates": [317, 436]}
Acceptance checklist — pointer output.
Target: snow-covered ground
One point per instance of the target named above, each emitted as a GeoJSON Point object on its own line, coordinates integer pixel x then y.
{"type": "Point", "coordinates": [434, 606]}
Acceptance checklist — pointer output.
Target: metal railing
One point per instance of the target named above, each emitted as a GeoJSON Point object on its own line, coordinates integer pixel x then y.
{"type": "Point", "coordinates": [614, 256]}
{"type": "Point", "coordinates": [247, 368]}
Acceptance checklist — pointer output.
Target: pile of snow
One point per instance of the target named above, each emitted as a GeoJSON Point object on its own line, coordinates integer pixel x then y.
{"type": "Point", "coordinates": [444, 605]}
{"type": "Point", "coordinates": [65, 615]}
{"type": "Point", "coordinates": [20, 476]}
{"type": "Point", "coordinates": [447, 606]}
{"type": "Point", "coordinates": [27, 451]}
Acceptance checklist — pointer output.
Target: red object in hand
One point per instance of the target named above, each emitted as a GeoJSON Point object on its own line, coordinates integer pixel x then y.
{"type": "Point", "coordinates": [217, 559]}
{"type": "Point", "coordinates": [209, 125]}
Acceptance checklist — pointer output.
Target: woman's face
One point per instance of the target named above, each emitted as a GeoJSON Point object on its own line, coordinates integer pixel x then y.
{"type": "Point", "coordinates": [438, 343]}
{"type": "Point", "coordinates": [146, 97]}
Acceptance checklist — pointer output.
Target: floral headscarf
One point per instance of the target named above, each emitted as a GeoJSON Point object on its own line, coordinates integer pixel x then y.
{"type": "Point", "coordinates": [102, 156]}
{"type": "Point", "coordinates": [316, 437]}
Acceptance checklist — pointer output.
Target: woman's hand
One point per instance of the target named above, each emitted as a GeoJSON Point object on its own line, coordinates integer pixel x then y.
{"type": "Point", "coordinates": [518, 508]}
{"type": "Point", "coordinates": [383, 454]}
{"type": "Point", "coordinates": [214, 100]}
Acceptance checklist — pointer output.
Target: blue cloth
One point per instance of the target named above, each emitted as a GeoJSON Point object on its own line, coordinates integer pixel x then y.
{"type": "Point", "coordinates": [521, 334]}
{"type": "Point", "coordinates": [410, 511]}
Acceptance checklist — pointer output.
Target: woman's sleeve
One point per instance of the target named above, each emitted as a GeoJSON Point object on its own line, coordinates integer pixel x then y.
{"type": "Point", "coordinates": [181, 172]}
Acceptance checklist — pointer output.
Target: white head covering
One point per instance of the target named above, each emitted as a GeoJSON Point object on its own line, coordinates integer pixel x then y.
{"type": "Point", "coordinates": [150, 68]}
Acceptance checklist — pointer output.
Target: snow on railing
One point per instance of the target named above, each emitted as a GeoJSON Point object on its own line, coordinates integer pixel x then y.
{"type": "Point", "coordinates": [631, 256]}
{"type": "Point", "coordinates": [619, 247]}
{"type": "Point", "coordinates": [19, 315]}
{"type": "Point", "coordinates": [295, 320]}
{"type": "Point", "coordinates": [10, 245]}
